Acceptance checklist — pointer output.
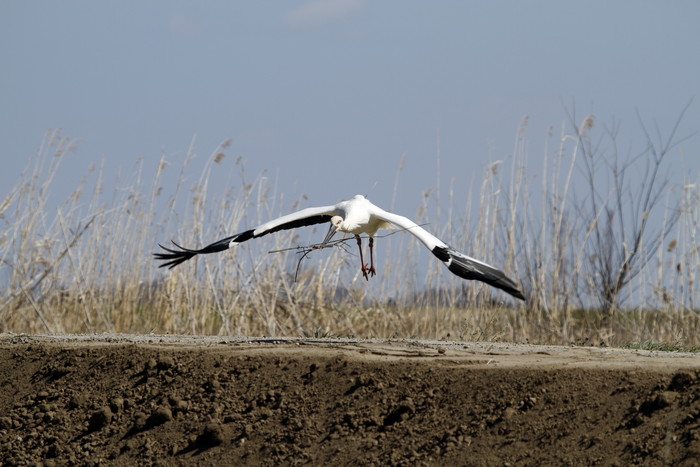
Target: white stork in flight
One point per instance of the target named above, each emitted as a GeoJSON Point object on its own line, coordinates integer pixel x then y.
{"type": "Point", "coordinates": [356, 216]}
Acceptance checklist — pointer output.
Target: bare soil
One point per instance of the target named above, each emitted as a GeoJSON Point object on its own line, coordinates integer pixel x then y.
{"type": "Point", "coordinates": [129, 400]}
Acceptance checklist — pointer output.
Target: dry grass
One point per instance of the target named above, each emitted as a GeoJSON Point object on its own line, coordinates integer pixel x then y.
{"type": "Point", "coordinates": [85, 266]}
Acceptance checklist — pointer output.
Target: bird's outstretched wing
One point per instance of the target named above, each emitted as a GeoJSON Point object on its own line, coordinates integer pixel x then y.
{"type": "Point", "coordinates": [472, 269]}
{"type": "Point", "coordinates": [309, 216]}
{"type": "Point", "coordinates": [458, 263]}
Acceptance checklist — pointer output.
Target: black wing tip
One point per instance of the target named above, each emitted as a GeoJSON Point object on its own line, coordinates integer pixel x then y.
{"type": "Point", "coordinates": [173, 257]}
{"type": "Point", "coordinates": [502, 282]}
{"type": "Point", "coordinates": [507, 285]}
{"type": "Point", "coordinates": [180, 254]}
{"type": "Point", "coordinates": [513, 291]}
{"type": "Point", "coordinates": [468, 269]}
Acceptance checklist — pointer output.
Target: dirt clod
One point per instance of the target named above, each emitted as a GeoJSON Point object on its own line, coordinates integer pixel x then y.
{"type": "Point", "coordinates": [100, 418]}
{"type": "Point", "coordinates": [213, 435]}
{"type": "Point", "coordinates": [159, 416]}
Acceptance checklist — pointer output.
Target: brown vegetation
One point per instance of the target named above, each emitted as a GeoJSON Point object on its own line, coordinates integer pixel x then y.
{"type": "Point", "coordinates": [614, 259]}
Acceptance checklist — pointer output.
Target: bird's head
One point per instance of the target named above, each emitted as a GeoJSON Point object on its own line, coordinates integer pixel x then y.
{"type": "Point", "coordinates": [336, 221]}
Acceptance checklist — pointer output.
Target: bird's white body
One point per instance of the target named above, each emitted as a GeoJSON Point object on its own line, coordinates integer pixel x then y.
{"type": "Point", "coordinates": [358, 216]}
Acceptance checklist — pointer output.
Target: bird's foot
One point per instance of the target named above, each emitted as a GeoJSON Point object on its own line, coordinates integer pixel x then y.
{"type": "Point", "coordinates": [368, 271]}
{"type": "Point", "coordinates": [365, 270]}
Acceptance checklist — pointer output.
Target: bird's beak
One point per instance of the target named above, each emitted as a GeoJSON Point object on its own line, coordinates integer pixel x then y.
{"type": "Point", "coordinates": [333, 229]}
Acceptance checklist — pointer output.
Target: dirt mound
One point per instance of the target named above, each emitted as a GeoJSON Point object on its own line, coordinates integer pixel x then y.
{"type": "Point", "coordinates": [119, 401]}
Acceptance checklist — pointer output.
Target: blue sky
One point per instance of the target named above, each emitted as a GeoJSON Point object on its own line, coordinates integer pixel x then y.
{"type": "Point", "coordinates": [328, 95]}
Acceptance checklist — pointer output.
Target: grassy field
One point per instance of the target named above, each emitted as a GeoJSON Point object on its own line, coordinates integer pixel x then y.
{"type": "Point", "coordinates": [605, 248]}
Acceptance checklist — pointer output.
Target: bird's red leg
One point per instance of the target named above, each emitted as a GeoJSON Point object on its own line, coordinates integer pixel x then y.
{"type": "Point", "coordinates": [372, 272]}
{"type": "Point", "coordinates": [362, 261]}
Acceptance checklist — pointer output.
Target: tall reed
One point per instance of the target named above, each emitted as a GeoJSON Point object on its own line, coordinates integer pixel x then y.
{"type": "Point", "coordinates": [85, 265]}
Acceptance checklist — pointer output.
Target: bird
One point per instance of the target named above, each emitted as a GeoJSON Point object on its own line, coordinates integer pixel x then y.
{"type": "Point", "coordinates": [355, 216]}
